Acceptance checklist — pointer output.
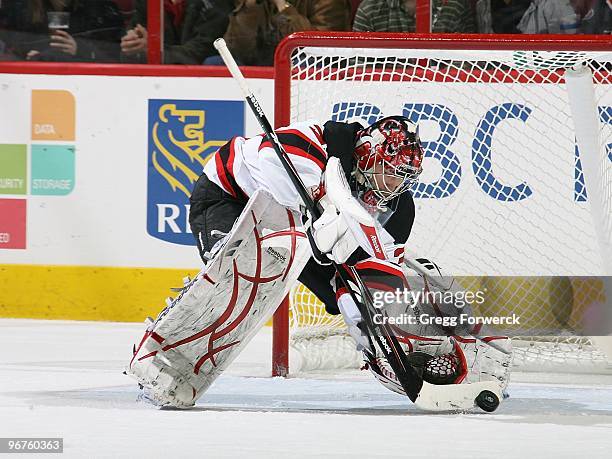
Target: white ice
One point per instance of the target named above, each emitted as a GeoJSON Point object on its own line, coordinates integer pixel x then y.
{"type": "Point", "coordinates": [64, 379]}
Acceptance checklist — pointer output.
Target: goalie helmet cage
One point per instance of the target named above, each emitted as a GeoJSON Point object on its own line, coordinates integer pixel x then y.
{"type": "Point", "coordinates": [517, 178]}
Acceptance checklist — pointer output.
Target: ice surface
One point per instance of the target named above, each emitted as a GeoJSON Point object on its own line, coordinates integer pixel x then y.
{"type": "Point", "coordinates": [63, 379]}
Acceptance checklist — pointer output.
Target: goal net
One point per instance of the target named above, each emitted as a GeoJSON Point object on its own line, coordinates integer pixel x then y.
{"type": "Point", "coordinates": [517, 176]}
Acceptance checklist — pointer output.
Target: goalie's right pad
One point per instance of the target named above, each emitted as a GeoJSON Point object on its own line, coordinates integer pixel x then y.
{"type": "Point", "coordinates": [200, 333]}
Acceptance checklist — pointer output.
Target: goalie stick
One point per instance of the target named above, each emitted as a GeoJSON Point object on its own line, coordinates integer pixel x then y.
{"type": "Point", "coordinates": [423, 394]}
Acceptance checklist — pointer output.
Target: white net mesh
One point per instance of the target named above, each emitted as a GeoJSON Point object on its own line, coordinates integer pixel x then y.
{"type": "Point", "coordinates": [319, 341]}
{"type": "Point", "coordinates": [504, 187]}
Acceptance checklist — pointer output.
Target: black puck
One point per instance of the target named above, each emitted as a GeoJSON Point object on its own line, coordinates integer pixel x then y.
{"type": "Point", "coordinates": [488, 401]}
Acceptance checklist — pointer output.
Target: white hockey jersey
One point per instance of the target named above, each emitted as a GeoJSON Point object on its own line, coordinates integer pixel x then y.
{"type": "Point", "coordinates": [251, 163]}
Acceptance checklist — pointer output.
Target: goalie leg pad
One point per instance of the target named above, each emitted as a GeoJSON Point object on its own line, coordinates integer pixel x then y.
{"type": "Point", "coordinates": [467, 392]}
{"type": "Point", "coordinates": [200, 333]}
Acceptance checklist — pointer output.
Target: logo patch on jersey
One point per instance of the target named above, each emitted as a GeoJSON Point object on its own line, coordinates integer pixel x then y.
{"type": "Point", "coordinates": [183, 134]}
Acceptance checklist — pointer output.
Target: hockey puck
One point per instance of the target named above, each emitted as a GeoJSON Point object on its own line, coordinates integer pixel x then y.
{"type": "Point", "coordinates": [487, 401]}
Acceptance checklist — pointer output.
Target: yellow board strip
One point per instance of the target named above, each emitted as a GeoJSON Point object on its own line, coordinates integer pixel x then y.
{"type": "Point", "coordinates": [86, 292]}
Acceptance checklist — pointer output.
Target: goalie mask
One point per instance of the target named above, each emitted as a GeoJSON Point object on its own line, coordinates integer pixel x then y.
{"type": "Point", "coordinates": [389, 156]}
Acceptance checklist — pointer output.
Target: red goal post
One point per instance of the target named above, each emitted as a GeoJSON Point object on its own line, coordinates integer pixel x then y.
{"type": "Point", "coordinates": [519, 75]}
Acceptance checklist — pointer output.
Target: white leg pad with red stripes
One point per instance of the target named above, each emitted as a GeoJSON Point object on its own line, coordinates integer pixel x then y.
{"type": "Point", "coordinates": [200, 333]}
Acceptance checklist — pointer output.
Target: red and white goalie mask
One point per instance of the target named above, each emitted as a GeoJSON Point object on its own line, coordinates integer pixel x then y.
{"type": "Point", "coordinates": [389, 156]}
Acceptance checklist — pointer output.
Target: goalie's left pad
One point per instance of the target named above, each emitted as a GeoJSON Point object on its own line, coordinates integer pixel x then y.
{"type": "Point", "coordinates": [488, 354]}
{"type": "Point", "coordinates": [474, 364]}
{"type": "Point", "coordinates": [201, 332]}
{"type": "Point", "coordinates": [455, 371]}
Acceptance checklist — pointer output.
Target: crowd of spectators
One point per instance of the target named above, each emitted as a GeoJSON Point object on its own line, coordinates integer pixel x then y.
{"type": "Point", "coordinates": [90, 33]}
{"type": "Point", "coordinates": [190, 28]}
{"type": "Point", "coordinates": [116, 30]}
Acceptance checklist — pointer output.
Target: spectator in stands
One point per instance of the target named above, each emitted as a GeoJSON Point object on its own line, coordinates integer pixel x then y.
{"type": "Point", "coordinates": [448, 16]}
{"type": "Point", "coordinates": [535, 16]}
{"type": "Point", "coordinates": [94, 30]}
{"type": "Point", "coordinates": [257, 26]}
{"type": "Point", "coordinates": [598, 18]}
{"type": "Point", "coordinates": [582, 7]}
{"type": "Point", "coordinates": [549, 16]}
{"type": "Point", "coordinates": [190, 28]}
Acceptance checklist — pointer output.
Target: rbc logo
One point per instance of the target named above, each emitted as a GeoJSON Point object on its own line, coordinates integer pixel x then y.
{"type": "Point", "coordinates": [182, 134]}
{"type": "Point", "coordinates": [443, 150]}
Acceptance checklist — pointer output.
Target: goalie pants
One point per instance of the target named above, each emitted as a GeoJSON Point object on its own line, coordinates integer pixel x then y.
{"type": "Point", "coordinates": [211, 208]}
{"type": "Point", "coordinates": [214, 209]}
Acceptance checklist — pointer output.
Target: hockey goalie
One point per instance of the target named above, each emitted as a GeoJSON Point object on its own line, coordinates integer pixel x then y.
{"type": "Point", "coordinates": [256, 240]}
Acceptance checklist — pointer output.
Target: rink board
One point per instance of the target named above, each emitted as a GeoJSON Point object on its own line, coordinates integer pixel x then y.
{"type": "Point", "coordinates": [86, 292]}
{"type": "Point", "coordinates": [95, 173]}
